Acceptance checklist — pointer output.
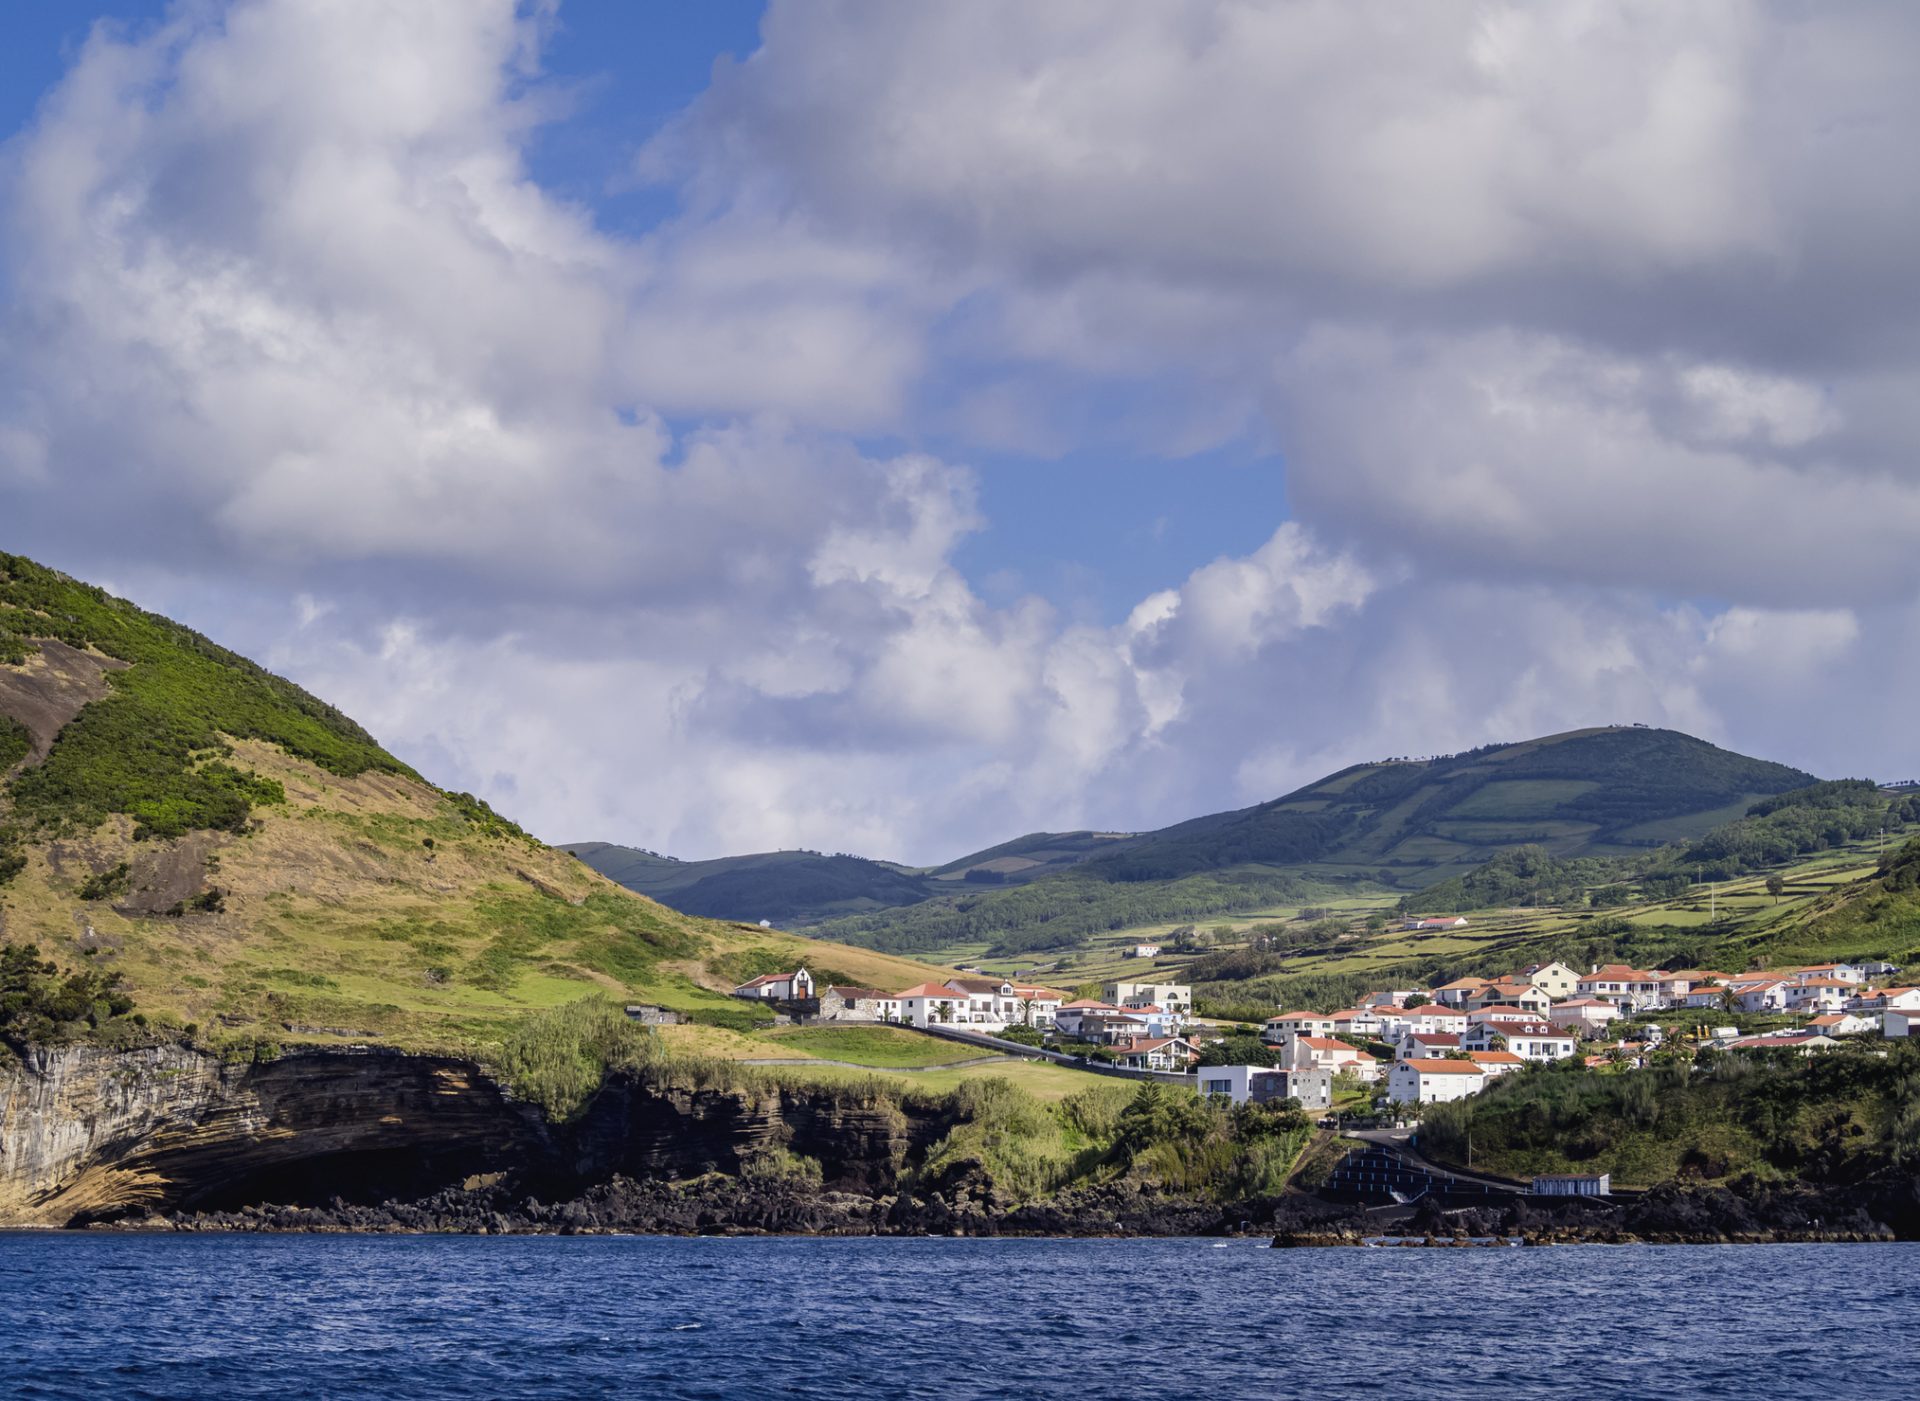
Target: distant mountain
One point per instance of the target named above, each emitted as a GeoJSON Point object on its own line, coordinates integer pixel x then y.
{"type": "Point", "coordinates": [792, 889]}
{"type": "Point", "coordinates": [1398, 823]}
{"type": "Point", "coordinates": [786, 888]}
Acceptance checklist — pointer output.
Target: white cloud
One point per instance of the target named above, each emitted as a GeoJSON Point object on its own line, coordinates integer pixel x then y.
{"type": "Point", "coordinates": [1586, 334]}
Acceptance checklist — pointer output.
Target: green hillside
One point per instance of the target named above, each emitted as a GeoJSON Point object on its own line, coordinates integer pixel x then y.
{"type": "Point", "coordinates": [786, 888]}
{"type": "Point", "coordinates": [192, 847]}
{"type": "Point", "coordinates": [1403, 824]}
{"type": "Point", "coordinates": [1826, 872]}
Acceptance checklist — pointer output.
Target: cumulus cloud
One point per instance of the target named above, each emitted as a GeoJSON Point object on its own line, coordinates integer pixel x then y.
{"type": "Point", "coordinates": [1586, 335]}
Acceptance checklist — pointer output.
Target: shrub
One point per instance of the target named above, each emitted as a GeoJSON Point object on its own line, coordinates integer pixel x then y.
{"type": "Point", "coordinates": [557, 1058]}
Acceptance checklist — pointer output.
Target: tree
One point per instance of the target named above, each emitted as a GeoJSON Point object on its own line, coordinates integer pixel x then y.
{"type": "Point", "coordinates": [1776, 886]}
{"type": "Point", "coordinates": [1419, 999]}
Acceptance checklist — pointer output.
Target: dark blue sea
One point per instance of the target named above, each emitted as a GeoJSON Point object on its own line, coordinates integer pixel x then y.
{"type": "Point", "coordinates": [420, 1317]}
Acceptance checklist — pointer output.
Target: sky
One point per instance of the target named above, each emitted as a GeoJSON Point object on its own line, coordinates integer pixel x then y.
{"type": "Point", "coordinates": [893, 428]}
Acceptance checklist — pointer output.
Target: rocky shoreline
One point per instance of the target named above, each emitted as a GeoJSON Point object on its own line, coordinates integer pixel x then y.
{"type": "Point", "coordinates": [1748, 1213]}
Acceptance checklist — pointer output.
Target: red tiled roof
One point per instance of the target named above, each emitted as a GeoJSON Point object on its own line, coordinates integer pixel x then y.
{"type": "Point", "coordinates": [1434, 1065]}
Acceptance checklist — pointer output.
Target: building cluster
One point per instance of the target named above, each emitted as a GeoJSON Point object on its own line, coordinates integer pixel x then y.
{"type": "Point", "coordinates": [1139, 1024]}
{"type": "Point", "coordinates": [1446, 1042]}
{"type": "Point", "coordinates": [1453, 1040]}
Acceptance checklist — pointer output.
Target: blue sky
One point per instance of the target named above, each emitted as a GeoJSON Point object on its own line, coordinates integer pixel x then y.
{"type": "Point", "coordinates": [934, 423]}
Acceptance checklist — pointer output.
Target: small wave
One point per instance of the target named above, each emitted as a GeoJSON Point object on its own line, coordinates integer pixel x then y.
{"type": "Point", "coordinates": [687, 1327]}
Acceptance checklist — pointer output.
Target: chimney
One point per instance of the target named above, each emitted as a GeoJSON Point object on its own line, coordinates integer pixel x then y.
{"type": "Point", "coordinates": [1594, 969]}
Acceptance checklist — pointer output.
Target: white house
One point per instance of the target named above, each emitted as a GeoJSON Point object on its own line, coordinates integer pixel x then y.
{"type": "Point", "coordinates": [1583, 1016]}
{"type": "Point", "coordinates": [934, 1004]}
{"type": "Point", "coordinates": [1705, 995]}
{"type": "Point", "coordinates": [1325, 1053]}
{"type": "Point", "coordinates": [1177, 998]}
{"type": "Point", "coordinates": [1818, 995]}
{"type": "Point", "coordinates": [1435, 923]}
{"type": "Point", "coordinates": [1357, 1021]}
{"type": "Point", "coordinates": [1430, 1081]}
{"type": "Point", "coordinates": [1507, 992]}
{"type": "Point", "coordinates": [1534, 1041]}
{"type": "Point", "coordinates": [1556, 980]}
{"type": "Point", "coordinates": [1632, 988]}
{"type": "Point", "coordinates": [1896, 1022]}
{"type": "Point", "coordinates": [778, 987]}
{"type": "Point", "coordinates": [1496, 1063]}
{"type": "Point", "coordinates": [1458, 992]}
{"type": "Point", "coordinates": [1432, 1018]}
{"type": "Point", "coordinates": [1418, 1045]}
{"type": "Point", "coordinates": [1156, 1053]}
{"type": "Point", "coordinates": [1144, 951]}
{"type": "Point", "coordinates": [1256, 1084]}
{"type": "Point", "coordinates": [1760, 997]}
{"type": "Point", "coordinates": [1838, 972]}
{"type": "Point", "coordinates": [1296, 1024]}
{"type": "Point", "coordinates": [1037, 1005]}
{"type": "Point", "coordinates": [1843, 1024]}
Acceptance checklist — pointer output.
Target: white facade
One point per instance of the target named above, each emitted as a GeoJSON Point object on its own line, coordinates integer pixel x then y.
{"type": "Point", "coordinates": [1433, 1081]}
{"type": "Point", "coordinates": [1556, 980]}
{"type": "Point", "coordinates": [1897, 1022]}
{"type": "Point", "coordinates": [1176, 998]}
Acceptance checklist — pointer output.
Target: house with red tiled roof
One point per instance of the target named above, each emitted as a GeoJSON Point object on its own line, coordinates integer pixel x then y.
{"type": "Point", "coordinates": [1327, 1053]}
{"type": "Point", "coordinates": [1417, 1044]}
{"type": "Point", "coordinates": [1583, 1016]}
{"type": "Point", "coordinates": [1296, 1024]}
{"type": "Point", "coordinates": [1530, 1040]}
{"type": "Point", "coordinates": [1156, 1053]}
{"type": "Point", "coordinates": [1458, 992]}
{"type": "Point", "coordinates": [1497, 1063]}
{"type": "Point", "coordinates": [1843, 1024]}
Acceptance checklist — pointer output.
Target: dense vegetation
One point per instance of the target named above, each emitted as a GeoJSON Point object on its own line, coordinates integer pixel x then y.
{"type": "Point", "coordinates": [143, 750]}
{"type": "Point", "coordinates": [43, 1005]}
{"type": "Point", "coordinates": [1525, 876]}
{"type": "Point", "coordinates": [1805, 820]}
{"type": "Point", "coordinates": [1061, 911]}
{"type": "Point", "coordinates": [1829, 1118]}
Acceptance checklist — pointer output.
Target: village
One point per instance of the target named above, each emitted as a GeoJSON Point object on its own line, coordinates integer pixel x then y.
{"type": "Point", "coordinates": [1399, 1048]}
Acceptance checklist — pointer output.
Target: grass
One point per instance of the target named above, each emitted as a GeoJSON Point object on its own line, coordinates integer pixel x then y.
{"type": "Point", "coordinates": [882, 1047]}
{"type": "Point", "coordinates": [387, 938]}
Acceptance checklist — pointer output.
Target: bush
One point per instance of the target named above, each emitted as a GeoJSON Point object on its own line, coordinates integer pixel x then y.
{"type": "Point", "coordinates": [559, 1057]}
{"type": "Point", "coordinates": [40, 1004]}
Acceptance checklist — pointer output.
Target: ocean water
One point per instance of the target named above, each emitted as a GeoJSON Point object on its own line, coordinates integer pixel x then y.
{"type": "Point", "coordinates": [422, 1317]}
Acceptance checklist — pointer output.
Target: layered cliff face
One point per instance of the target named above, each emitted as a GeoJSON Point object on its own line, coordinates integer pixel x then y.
{"type": "Point", "coordinates": [89, 1135]}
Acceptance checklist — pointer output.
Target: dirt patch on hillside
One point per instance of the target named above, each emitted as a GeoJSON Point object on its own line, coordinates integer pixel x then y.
{"type": "Point", "coordinates": [46, 691]}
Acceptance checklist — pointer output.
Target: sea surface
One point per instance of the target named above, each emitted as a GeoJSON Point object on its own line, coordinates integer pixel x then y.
{"type": "Point", "coordinates": [421, 1317]}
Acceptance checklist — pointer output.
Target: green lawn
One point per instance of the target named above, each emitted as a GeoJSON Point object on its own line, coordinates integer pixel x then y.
{"type": "Point", "coordinates": [882, 1047]}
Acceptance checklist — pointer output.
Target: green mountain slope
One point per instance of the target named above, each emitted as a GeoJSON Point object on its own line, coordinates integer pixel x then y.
{"type": "Point", "coordinates": [1404, 823]}
{"type": "Point", "coordinates": [786, 888]}
{"type": "Point", "coordinates": [249, 865]}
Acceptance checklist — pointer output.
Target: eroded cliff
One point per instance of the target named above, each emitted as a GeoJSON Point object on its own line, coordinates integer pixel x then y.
{"type": "Point", "coordinates": [89, 1135]}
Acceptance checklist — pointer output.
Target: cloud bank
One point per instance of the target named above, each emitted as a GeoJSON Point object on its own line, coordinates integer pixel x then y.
{"type": "Point", "coordinates": [1585, 337]}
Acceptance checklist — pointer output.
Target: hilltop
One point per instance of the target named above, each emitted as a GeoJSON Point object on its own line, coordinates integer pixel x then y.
{"type": "Point", "coordinates": [1400, 825]}
{"type": "Point", "coordinates": [255, 868]}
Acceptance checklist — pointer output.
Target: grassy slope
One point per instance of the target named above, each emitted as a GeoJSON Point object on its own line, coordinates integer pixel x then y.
{"type": "Point", "coordinates": [323, 890]}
